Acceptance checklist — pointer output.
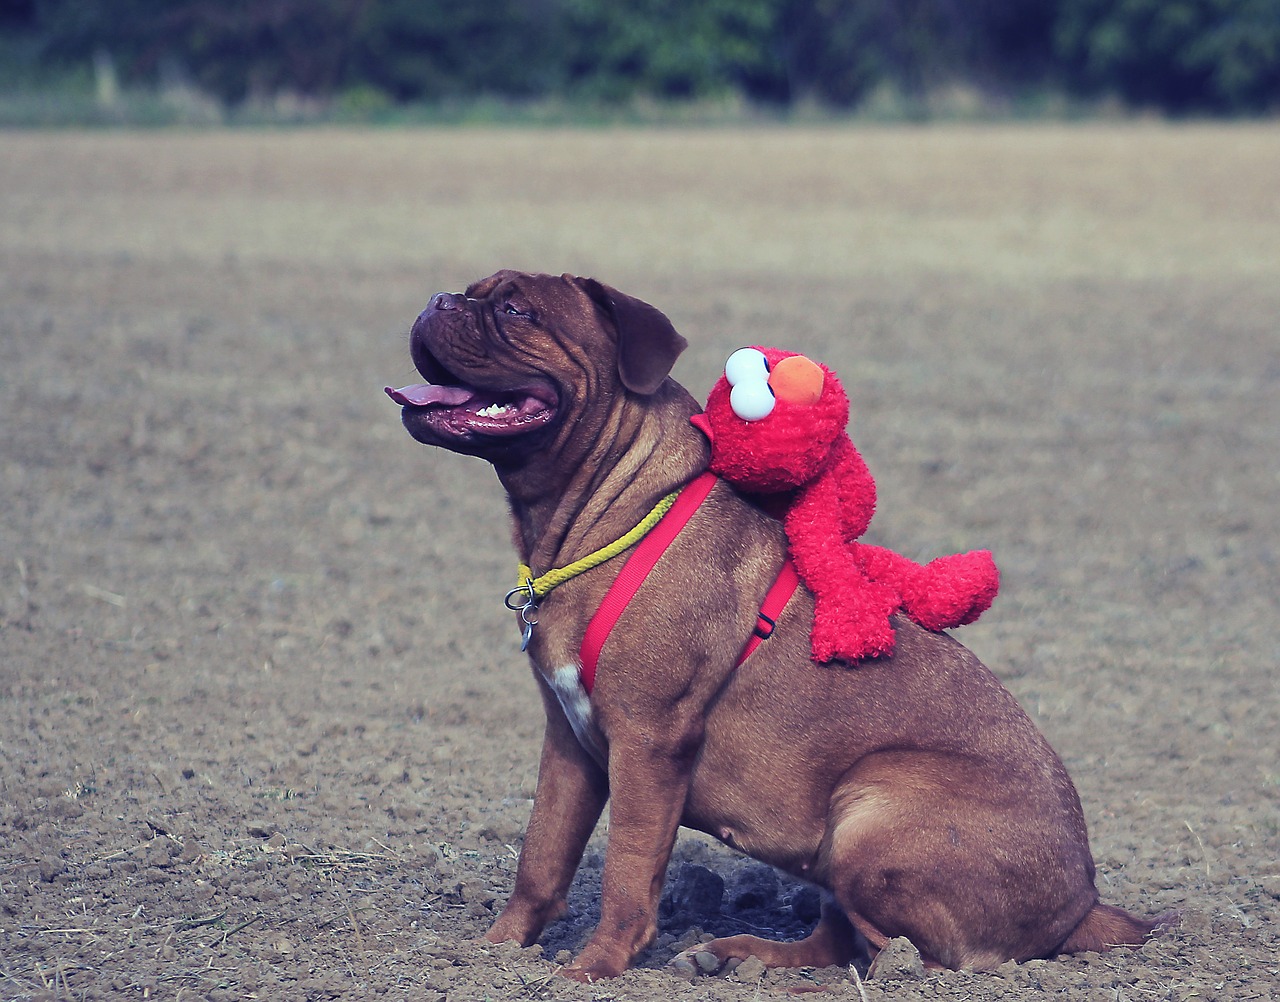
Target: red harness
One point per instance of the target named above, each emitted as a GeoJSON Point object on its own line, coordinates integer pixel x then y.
{"type": "Point", "coordinates": [643, 559]}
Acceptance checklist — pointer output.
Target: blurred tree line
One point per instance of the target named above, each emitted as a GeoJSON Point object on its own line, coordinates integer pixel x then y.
{"type": "Point", "coordinates": [1180, 56]}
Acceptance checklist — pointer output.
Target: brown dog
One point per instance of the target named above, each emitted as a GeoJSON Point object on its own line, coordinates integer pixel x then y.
{"type": "Point", "coordinates": [913, 788]}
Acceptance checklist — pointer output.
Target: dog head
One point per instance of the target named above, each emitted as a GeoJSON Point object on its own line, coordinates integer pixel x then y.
{"type": "Point", "coordinates": [519, 359]}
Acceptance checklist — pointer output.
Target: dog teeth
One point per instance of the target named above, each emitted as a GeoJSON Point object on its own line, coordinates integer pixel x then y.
{"type": "Point", "coordinates": [495, 410]}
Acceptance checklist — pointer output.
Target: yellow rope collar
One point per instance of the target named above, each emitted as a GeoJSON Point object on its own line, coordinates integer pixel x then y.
{"type": "Point", "coordinates": [531, 588]}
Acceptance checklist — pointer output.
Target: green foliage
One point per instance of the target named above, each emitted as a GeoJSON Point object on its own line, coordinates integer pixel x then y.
{"type": "Point", "coordinates": [837, 52]}
{"type": "Point", "coordinates": [1175, 55]}
{"type": "Point", "coordinates": [231, 48]}
{"type": "Point", "coordinates": [432, 49]}
{"type": "Point", "coordinates": [667, 48]}
{"type": "Point", "coordinates": [1178, 55]}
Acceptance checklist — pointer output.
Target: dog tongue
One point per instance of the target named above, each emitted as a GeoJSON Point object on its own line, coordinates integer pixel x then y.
{"type": "Point", "coordinates": [425, 394]}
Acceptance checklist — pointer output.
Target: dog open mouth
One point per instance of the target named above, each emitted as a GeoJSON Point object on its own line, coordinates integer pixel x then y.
{"type": "Point", "coordinates": [461, 412]}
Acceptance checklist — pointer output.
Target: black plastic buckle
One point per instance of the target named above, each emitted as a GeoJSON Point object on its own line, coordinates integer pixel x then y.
{"type": "Point", "coordinates": [765, 626]}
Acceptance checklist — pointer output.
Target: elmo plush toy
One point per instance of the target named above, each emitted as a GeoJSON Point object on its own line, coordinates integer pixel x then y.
{"type": "Point", "coordinates": [776, 421]}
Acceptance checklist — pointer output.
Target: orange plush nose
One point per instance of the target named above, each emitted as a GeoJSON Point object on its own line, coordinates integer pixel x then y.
{"type": "Point", "coordinates": [796, 380]}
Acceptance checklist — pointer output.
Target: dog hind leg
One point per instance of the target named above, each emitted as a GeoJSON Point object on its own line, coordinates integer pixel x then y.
{"type": "Point", "coordinates": [1106, 926]}
{"type": "Point", "coordinates": [833, 941]}
{"type": "Point", "coordinates": [923, 845]}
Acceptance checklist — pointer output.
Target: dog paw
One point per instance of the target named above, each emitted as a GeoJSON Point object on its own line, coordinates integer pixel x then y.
{"type": "Point", "coordinates": [578, 974]}
{"type": "Point", "coordinates": [588, 971]}
{"type": "Point", "coordinates": [591, 974]}
{"type": "Point", "coordinates": [683, 966]}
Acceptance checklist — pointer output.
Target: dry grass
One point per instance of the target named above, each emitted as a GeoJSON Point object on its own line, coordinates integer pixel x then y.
{"type": "Point", "coordinates": [982, 202]}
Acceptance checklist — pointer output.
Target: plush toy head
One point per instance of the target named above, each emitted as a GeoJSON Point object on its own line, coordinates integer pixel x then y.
{"type": "Point", "coordinates": [773, 419]}
{"type": "Point", "coordinates": [777, 427]}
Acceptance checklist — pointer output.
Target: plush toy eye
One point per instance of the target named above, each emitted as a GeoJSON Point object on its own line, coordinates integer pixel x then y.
{"type": "Point", "coordinates": [746, 365]}
{"type": "Point", "coordinates": [752, 400]}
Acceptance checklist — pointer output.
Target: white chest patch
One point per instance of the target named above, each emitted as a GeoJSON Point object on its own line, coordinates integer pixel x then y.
{"type": "Point", "coordinates": [566, 683]}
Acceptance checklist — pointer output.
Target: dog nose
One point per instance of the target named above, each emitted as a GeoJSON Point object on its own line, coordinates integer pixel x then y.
{"type": "Point", "coordinates": [446, 301]}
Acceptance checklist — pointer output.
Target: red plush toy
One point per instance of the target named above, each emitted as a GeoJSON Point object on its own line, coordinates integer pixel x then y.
{"type": "Point", "coordinates": [777, 422]}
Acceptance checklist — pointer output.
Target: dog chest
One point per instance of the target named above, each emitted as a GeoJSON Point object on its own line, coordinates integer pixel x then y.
{"type": "Point", "coordinates": [566, 683]}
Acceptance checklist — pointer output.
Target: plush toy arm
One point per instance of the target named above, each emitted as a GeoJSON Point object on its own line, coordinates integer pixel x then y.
{"type": "Point", "coordinates": [851, 612]}
{"type": "Point", "coordinates": [881, 564]}
{"type": "Point", "coordinates": [947, 592]}
{"type": "Point", "coordinates": [857, 488]}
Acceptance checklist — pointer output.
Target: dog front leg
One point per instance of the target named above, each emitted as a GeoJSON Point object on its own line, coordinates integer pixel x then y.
{"type": "Point", "coordinates": [649, 785]}
{"type": "Point", "coordinates": [571, 793]}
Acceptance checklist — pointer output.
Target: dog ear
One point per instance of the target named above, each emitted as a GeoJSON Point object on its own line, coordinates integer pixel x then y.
{"type": "Point", "coordinates": [648, 344]}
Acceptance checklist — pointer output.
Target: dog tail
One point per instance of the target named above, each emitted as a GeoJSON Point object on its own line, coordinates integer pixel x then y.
{"type": "Point", "coordinates": [1105, 926]}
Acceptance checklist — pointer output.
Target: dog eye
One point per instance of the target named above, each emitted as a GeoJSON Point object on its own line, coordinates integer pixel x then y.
{"type": "Point", "coordinates": [512, 310]}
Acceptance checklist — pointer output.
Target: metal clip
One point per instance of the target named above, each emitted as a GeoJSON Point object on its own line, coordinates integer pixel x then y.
{"type": "Point", "coordinates": [524, 600]}
{"type": "Point", "coordinates": [517, 604]}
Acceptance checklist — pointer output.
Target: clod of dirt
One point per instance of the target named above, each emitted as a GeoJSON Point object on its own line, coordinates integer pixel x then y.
{"type": "Point", "coordinates": [162, 852]}
{"type": "Point", "coordinates": [696, 894]}
{"type": "Point", "coordinates": [898, 961]}
{"type": "Point", "coordinates": [754, 887]}
{"type": "Point", "coordinates": [750, 971]}
{"type": "Point", "coordinates": [806, 905]}
{"type": "Point", "coordinates": [280, 945]}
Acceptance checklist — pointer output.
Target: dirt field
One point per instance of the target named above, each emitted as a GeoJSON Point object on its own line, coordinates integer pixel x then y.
{"type": "Point", "coordinates": [264, 728]}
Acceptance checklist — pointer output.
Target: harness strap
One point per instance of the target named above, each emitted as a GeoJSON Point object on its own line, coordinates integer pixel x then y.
{"type": "Point", "coordinates": [775, 599]}
{"type": "Point", "coordinates": [635, 570]}
{"type": "Point", "coordinates": [646, 556]}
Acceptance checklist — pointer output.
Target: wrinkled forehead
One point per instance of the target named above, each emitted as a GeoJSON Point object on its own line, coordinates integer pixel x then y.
{"type": "Point", "coordinates": [506, 283]}
{"type": "Point", "coordinates": [486, 286]}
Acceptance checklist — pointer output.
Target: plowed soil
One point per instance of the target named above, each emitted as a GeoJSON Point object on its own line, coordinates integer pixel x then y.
{"type": "Point", "coordinates": [265, 731]}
